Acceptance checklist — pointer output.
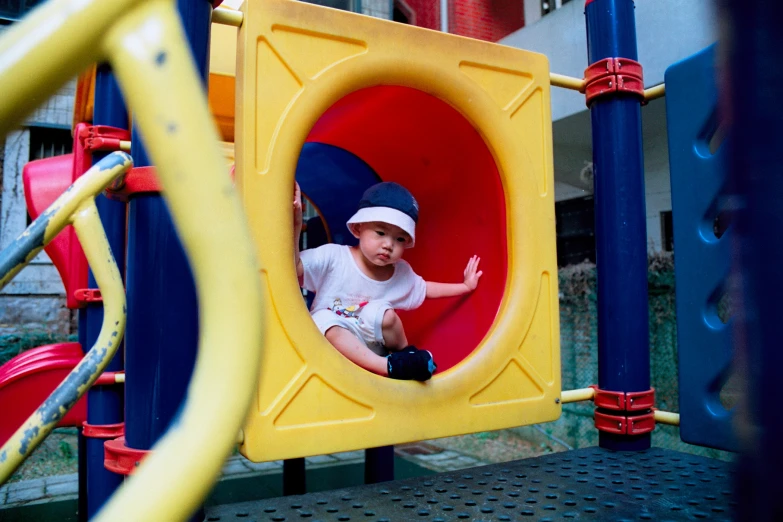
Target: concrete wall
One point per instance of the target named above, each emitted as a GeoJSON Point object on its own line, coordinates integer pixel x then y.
{"type": "Point", "coordinates": [574, 154]}
{"type": "Point", "coordinates": [667, 31]}
{"type": "Point", "coordinates": [35, 299]}
{"type": "Point", "coordinates": [377, 8]}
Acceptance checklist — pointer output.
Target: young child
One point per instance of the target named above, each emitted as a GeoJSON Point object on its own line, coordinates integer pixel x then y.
{"type": "Point", "coordinates": [357, 289]}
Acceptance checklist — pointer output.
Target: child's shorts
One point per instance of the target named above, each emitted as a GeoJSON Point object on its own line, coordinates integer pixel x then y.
{"type": "Point", "coordinates": [368, 326]}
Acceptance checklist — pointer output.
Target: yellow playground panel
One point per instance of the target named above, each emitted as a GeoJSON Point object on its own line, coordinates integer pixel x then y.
{"type": "Point", "coordinates": [294, 62]}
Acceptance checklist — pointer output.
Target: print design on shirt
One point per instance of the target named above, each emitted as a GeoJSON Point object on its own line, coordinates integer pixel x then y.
{"type": "Point", "coordinates": [347, 311]}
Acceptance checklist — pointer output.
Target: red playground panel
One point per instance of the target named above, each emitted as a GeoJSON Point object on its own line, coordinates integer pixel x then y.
{"type": "Point", "coordinates": [29, 378]}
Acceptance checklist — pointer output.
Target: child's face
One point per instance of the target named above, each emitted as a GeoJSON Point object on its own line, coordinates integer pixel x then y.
{"type": "Point", "coordinates": [382, 244]}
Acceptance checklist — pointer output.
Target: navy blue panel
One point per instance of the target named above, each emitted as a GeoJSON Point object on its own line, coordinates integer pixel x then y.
{"type": "Point", "coordinates": [105, 404]}
{"type": "Point", "coordinates": [752, 49]}
{"type": "Point", "coordinates": [81, 509]}
{"type": "Point", "coordinates": [620, 220]}
{"type": "Point", "coordinates": [162, 331]}
{"type": "Point", "coordinates": [334, 180]}
{"type": "Point", "coordinates": [702, 260]}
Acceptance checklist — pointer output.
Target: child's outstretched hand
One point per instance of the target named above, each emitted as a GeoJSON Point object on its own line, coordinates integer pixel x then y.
{"type": "Point", "coordinates": [297, 207]}
{"type": "Point", "coordinates": [472, 273]}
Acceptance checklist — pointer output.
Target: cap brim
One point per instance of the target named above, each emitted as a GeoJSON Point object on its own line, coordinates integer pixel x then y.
{"type": "Point", "coordinates": [384, 215]}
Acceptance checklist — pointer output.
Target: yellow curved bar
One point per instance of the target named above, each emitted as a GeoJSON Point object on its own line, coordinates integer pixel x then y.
{"type": "Point", "coordinates": [567, 82]}
{"type": "Point", "coordinates": [667, 417]}
{"type": "Point", "coordinates": [76, 206]}
{"type": "Point", "coordinates": [149, 57]}
{"type": "Point", "coordinates": [582, 394]}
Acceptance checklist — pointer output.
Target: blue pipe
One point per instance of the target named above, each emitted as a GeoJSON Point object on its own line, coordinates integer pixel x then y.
{"type": "Point", "coordinates": [756, 115]}
{"type": "Point", "coordinates": [162, 329]}
{"type": "Point", "coordinates": [105, 403]}
{"type": "Point", "coordinates": [81, 508]}
{"type": "Point", "coordinates": [620, 221]}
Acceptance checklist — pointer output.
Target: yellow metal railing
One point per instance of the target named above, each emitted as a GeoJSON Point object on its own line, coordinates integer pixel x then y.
{"type": "Point", "coordinates": [567, 82]}
{"type": "Point", "coordinates": [224, 16]}
{"type": "Point", "coordinates": [588, 394]}
{"type": "Point", "coordinates": [75, 207]}
{"type": "Point", "coordinates": [144, 43]}
{"type": "Point", "coordinates": [578, 84]}
{"type": "Point", "coordinates": [653, 93]}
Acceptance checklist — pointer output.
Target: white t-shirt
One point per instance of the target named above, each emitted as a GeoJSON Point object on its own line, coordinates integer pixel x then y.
{"type": "Point", "coordinates": [339, 284]}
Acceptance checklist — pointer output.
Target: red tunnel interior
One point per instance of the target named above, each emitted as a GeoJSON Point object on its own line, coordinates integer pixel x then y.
{"type": "Point", "coordinates": [423, 143]}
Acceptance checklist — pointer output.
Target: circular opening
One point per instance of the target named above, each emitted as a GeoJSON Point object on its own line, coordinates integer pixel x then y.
{"type": "Point", "coordinates": [391, 133]}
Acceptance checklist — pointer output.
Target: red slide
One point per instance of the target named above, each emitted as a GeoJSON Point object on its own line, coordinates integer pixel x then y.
{"type": "Point", "coordinates": [29, 378]}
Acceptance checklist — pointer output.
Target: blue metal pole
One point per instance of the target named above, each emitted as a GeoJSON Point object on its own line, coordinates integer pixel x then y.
{"type": "Point", "coordinates": [162, 329]}
{"type": "Point", "coordinates": [81, 509]}
{"type": "Point", "coordinates": [105, 403]}
{"type": "Point", "coordinates": [378, 464]}
{"type": "Point", "coordinates": [620, 222]}
{"type": "Point", "coordinates": [294, 477]}
{"type": "Point", "coordinates": [755, 111]}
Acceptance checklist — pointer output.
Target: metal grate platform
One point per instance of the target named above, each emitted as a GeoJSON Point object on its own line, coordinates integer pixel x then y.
{"type": "Point", "coordinates": [585, 484]}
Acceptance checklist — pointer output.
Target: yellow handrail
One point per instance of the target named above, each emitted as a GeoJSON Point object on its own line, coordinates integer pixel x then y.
{"type": "Point", "coordinates": [582, 394]}
{"type": "Point", "coordinates": [75, 206]}
{"type": "Point", "coordinates": [667, 417]}
{"type": "Point", "coordinates": [567, 82]}
{"type": "Point", "coordinates": [224, 16]}
{"type": "Point", "coordinates": [143, 41]}
{"type": "Point", "coordinates": [653, 93]}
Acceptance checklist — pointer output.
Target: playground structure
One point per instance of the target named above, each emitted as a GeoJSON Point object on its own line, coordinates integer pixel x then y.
{"type": "Point", "coordinates": [264, 174]}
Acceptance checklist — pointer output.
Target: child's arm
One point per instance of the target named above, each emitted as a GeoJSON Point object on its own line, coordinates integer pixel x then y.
{"type": "Point", "coordinates": [298, 233]}
{"type": "Point", "coordinates": [472, 275]}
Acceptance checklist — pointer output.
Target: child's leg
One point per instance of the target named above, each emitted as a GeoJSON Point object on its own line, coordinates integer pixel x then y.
{"type": "Point", "coordinates": [393, 332]}
{"type": "Point", "coordinates": [356, 351]}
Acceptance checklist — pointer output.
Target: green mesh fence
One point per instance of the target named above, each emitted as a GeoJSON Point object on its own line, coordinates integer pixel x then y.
{"type": "Point", "coordinates": [12, 345]}
{"type": "Point", "coordinates": [579, 354]}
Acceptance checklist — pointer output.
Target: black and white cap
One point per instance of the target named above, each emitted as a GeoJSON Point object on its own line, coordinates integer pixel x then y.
{"type": "Point", "coordinates": [391, 203]}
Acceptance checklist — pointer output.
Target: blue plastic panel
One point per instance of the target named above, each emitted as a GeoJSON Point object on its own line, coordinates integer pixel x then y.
{"type": "Point", "coordinates": [702, 259]}
{"type": "Point", "coordinates": [334, 180]}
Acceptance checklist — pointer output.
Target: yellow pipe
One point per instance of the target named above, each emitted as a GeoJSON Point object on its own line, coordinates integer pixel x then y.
{"type": "Point", "coordinates": [77, 207]}
{"type": "Point", "coordinates": [149, 56]}
{"type": "Point", "coordinates": [224, 16]}
{"type": "Point", "coordinates": [667, 417]}
{"type": "Point", "coordinates": [653, 93]}
{"type": "Point", "coordinates": [582, 394]}
{"type": "Point", "coordinates": [119, 378]}
{"type": "Point", "coordinates": [125, 146]}
{"type": "Point", "coordinates": [567, 82]}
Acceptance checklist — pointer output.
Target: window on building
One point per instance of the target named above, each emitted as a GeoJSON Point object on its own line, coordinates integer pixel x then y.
{"type": "Point", "coordinates": [12, 10]}
{"type": "Point", "coordinates": [667, 231]}
{"type": "Point", "coordinates": [399, 16]}
{"type": "Point", "coordinates": [47, 142]}
{"type": "Point", "coordinates": [403, 13]}
{"type": "Point", "coordinates": [575, 220]}
{"type": "Point", "coordinates": [345, 5]}
{"type": "Point", "coordinates": [547, 6]}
